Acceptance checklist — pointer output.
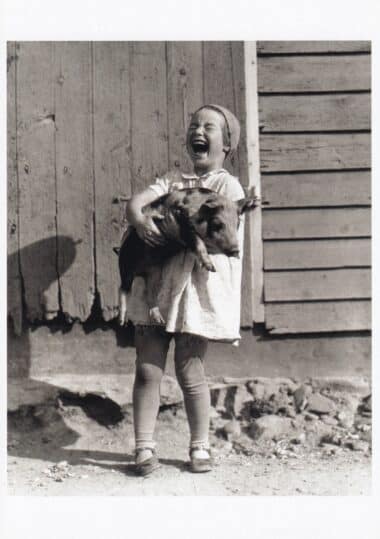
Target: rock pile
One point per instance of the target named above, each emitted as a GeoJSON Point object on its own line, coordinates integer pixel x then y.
{"type": "Point", "coordinates": [329, 413]}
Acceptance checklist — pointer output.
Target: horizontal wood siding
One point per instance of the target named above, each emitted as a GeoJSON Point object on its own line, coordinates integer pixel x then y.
{"type": "Point", "coordinates": [340, 188]}
{"type": "Point", "coordinates": [315, 112]}
{"type": "Point", "coordinates": [315, 317]}
{"type": "Point", "coordinates": [314, 74]}
{"type": "Point", "coordinates": [314, 107]}
{"type": "Point", "coordinates": [312, 47]}
{"type": "Point", "coordinates": [290, 152]}
{"type": "Point", "coordinates": [317, 284]}
{"type": "Point", "coordinates": [96, 123]}
{"type": "Point", "coordinates": [317, 223]}
{"type": "Point", "coordinates": [325, 253]}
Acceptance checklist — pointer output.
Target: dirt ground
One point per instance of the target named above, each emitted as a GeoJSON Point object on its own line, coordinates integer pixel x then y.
{"type": "Point", "coordinates": [72, 451]}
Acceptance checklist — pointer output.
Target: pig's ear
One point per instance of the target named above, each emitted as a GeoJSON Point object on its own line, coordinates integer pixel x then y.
{"type": "Point", "coordinates": [209, 208]}
{"type": "Point", "coordinates": [245, 204]}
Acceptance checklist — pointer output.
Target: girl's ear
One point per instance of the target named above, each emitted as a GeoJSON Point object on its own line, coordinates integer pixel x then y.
{"type": "Point", "coordinates": [245, 204]}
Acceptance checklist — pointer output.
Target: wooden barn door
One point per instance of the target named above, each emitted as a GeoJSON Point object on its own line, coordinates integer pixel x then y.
{"type": "Point", "coordinates": [89, 125]}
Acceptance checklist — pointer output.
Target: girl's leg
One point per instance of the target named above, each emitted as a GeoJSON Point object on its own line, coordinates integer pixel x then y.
{"type": "Point", "coordinates": [189, 353]}
{"type": "Point", "coordinates": [152, 345]}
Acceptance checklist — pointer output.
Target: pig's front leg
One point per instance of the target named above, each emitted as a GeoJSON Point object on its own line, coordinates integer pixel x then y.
{"type": "Point", "coordinates": [153, 281]}
{"type": "Point", "coordinates": [201, 251]}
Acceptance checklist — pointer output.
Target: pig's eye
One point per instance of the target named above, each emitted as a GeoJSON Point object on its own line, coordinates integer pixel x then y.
{"type": "Point", "coordinates": [217, 226]}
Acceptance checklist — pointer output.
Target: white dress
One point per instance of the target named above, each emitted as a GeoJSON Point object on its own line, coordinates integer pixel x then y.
{"type": "Point", "coordinates": [192, 299]}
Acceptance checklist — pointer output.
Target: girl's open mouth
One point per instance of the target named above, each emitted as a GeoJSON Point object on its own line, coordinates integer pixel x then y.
{"type": "Point", "coordinates": [199, 147]}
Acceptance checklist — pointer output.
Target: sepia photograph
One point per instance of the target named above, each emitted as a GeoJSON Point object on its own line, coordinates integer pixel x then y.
{"type": "Point", "coordinates": [189, 268]}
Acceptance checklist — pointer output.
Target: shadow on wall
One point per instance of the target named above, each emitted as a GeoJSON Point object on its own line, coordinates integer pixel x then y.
{"type": "Point", "coordinates": [36, 258]}
{"type": "Point", "coordinates": [19, 353]}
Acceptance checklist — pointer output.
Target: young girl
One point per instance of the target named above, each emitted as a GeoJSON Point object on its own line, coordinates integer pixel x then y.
{"type": "Point", "coordinates": [196, 305]}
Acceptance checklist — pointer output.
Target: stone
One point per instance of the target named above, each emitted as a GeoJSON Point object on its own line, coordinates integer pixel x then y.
{"type": "Point", "coordinates": [231, 430]}
{"type": "Point", "coordinates": [256, 389]}
{"type": "Point", "coordinates": [240, 399]}
{"type": "Point", "coordinates": [346, 419]}
{"type": "Point", "coordinates": [328, 420]}
{"type": "Point", "coordinates": [270, 427]}
{"type": "Point", "coordinates": [345, 384]}
{"type": "Point", "coordinates": [358, 445]}
{"type": "Point", "coordinates": [300, 397]}
{"type": "Point", "coordinates": [320, 404]}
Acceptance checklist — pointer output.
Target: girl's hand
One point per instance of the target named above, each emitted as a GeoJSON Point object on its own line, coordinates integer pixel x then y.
{"type": "Point", "coordinates": [149, 233]}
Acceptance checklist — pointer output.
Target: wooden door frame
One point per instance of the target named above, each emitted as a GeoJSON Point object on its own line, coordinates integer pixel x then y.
{"type": "Point", "coordinates": [254, 226]}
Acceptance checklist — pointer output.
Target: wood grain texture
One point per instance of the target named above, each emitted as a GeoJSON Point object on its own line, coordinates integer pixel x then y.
{"type": "Point", "coordinates": [218, 83]}
{"type": "Point", "coordinates": [317, 223]}
{"type": "Point", "coordinates": [329, 112]}
{"type": "Point", "coordinates": [347, 188]}
{"type": "Point", "coordinates": [238, 52]}
{"type": "Point", "coordinates": [314, 152]}
{"type": "Point", "coordinates": [317, 285]}
{"type": "Point", "coordinates": [314, 73]}
{"type": "Point", "coordinates": [185, 95]}
{"type": "Point", "coordinates": [36, 173]}
{"type": "Point", "coordinates": [324, 316]}
{"type": "Point", "coordinates": [112, 163]}
{"type": "Point", "coordinates": [252, 303]}
{"type": "Point", "coordinates": [149, 113]}
{"type": "Point", "coordinates": [14, 298]}
{"type": "Point", "coordinates": [75, 186]}
{"type": "Point", "coordinates": [336, 253]}
{"type": "Point", "coordinates": [314, 47]}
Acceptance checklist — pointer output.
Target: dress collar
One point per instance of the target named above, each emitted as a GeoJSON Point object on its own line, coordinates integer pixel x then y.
{"type": "Point", "coordinates": [203, 176]}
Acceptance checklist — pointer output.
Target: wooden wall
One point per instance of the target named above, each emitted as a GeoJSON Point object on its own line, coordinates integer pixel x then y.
{"type": "Point", "coordinates": [314, 116]}
{"type": "Point", "coordinates": [89, 124]}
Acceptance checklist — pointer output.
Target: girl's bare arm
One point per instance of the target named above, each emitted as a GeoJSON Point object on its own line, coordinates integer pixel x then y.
{"type": "Point", "coordinates": [145, 226]}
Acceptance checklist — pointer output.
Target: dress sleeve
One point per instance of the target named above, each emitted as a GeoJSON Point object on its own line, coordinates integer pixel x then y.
{"type": "Point", "coordinates": [161, 186]}
{"type": "Point", "coordinates": [231, 188]}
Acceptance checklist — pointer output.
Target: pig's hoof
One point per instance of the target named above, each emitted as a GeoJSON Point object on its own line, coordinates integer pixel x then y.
{"type": "Point", "coordinates": [155, 316]}
{"type": "Point", "coordinates": [210, 266]}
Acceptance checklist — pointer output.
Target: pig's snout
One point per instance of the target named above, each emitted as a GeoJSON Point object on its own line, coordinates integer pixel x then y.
{"type": "Point", "coordinates": [233, 252]}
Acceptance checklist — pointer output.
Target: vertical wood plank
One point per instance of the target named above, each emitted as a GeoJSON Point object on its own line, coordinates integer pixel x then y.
{"type": "Point", "coordinates": [218, 83]}
{"type": "Point", "coordinates": [253, 282]}
{"type": "Point", "coordinates": [185, 95]}
{"type": "Point", "coordinates": [72, 77]}
{"type": "Point", "coordinates": [149, 113]}
{"type": "Point", "coordinates": [14, 280]}
{"type": "Point", "coordinates": [112, 158]}
{"type": "Point", "coordinates": [239, 87]}
{"type": "Point", "coordinates": [36, 172]}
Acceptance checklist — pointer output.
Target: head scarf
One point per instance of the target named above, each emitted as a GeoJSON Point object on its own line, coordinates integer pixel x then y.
{"type": "Point", "coordinates": [232, 125]}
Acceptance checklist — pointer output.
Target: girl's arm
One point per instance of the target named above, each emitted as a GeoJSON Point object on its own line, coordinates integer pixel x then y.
{"type": "Point", "coordinates": [144, 225]}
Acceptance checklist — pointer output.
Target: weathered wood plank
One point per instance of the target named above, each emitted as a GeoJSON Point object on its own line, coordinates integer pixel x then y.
{"type": "Point", "coordinates": [314, 152]}
{"type": "Point", "coordinates": [314, 73]}
{"type": "Point", "coordinates": [317, 284]}
{"type": "Point", "coordinates": [13, 269]}
{"type": "Point", "coordinates": [75, 188]}
{"type": "Point", "coordinates": [336, 253]}
{"type": "Point", "coordinates": [324, 316]}
{"type": "Point", "coordinates": [314, 47]}
{"type": "Point", "coordinates": [238, 52]}
{"type": "Point", "coordinates": [219, 88]}
{"type": "Point", "coordinates": [317, 223]}
{"type": "Point", "coordinates": [348, 188]}
{"type": "Point", "coordinates": [185, 95]}
{"type": "Point", "coordinates": [36, 173]}
{"type": "Point", "coordinates": [112, 163]}
{"type": "Point", "coordinates": [149, 113]}
{"type": "Point", "coordinates": [252, 304]}
{"type": "Point", "coordinates": [329, 112]}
